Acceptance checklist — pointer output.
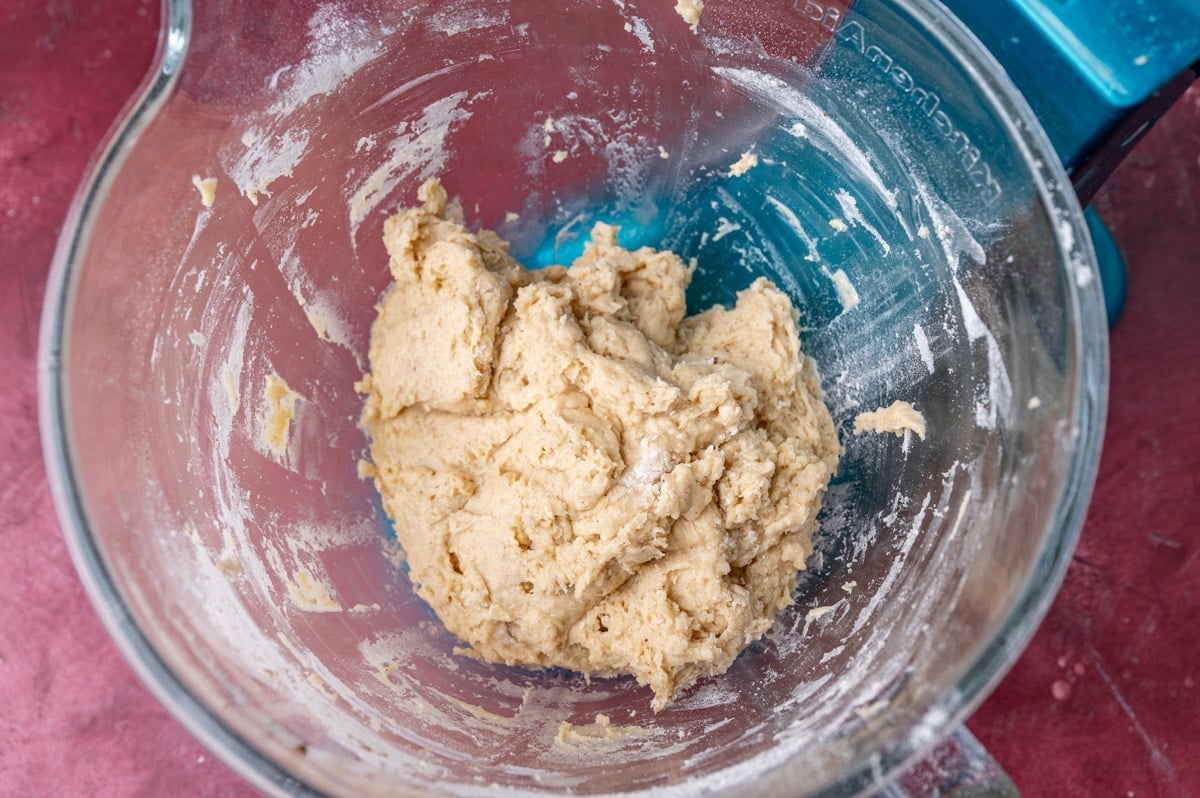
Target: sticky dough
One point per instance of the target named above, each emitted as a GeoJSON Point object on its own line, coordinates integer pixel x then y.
{"type": "Point", "coordinates": [897, 418]}
{"type": "Point", "coordinates": [579, 476]}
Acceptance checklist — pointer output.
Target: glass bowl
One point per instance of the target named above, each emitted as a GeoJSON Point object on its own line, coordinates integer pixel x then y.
{"type": "Point", "coordinates": [905, 199]}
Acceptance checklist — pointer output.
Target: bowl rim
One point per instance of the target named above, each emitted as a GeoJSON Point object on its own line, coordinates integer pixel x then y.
{"type": "Point", "coordinates": [163, 683]}
{"type": "Point", "coordinates": [1089, 351]}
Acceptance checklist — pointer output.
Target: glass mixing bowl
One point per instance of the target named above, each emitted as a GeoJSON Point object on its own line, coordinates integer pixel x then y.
{"type": "Point", "coordinates": [904, 197]}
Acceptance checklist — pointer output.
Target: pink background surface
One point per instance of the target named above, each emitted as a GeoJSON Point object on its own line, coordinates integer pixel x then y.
{"type": "Point", "coordinates": [1103, 702]}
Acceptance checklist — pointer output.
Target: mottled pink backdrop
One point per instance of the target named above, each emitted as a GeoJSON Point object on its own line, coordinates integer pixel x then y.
{"type": "Point", "coordinates": [1104, 703]}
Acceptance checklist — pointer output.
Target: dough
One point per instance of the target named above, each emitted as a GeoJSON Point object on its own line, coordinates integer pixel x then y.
{"type": "Point", "coordinates": [208, 189]}
{"type": "Point", "coordinates": [600, 734]}
{"type": "Point", "coordinates": [898, 418]}
{"type": "Point", "coordinates": [579, 476]}
{"type": "Point", "coordinates": [311, 594]}
{"type": "Point", "coordinates": [689, 11]}
{"type": "Point", "coordinates": [743, 165]}
{"type": "Point", "coordinates": [279, 408]}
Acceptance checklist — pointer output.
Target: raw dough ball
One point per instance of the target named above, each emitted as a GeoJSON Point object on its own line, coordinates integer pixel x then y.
{"type": "Point", "coordinates": [579, 476]}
